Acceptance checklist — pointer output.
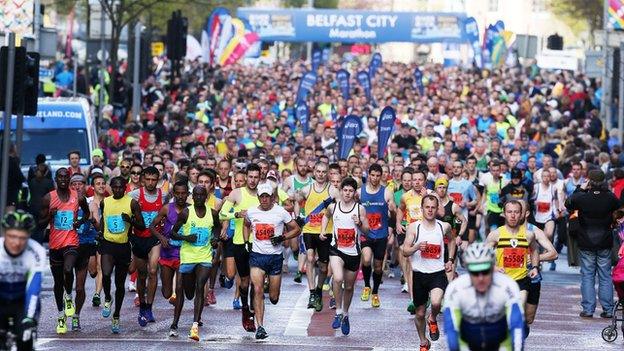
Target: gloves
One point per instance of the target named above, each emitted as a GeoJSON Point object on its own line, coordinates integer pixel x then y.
{"type": "Point", "coordinates": [248, 246]}
{"type": "Point", "coordinates": [29, 327]}
{"type": "Point", "coordinates": [277, 240]}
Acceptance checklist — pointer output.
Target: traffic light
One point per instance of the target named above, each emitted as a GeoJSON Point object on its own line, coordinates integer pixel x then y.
{"type": "Point", "coordinates": [177, 28]}
{"type": "Point", "coordinates": [31, 83]}
{"type": "Point", "coordinates": [554, 42]}
{"type": "Point", "coordinates": [25, 80]}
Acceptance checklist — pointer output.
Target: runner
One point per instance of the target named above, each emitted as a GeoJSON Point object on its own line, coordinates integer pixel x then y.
{"type": "Point", "coordinates": [424, 244]}
{"type": "Point", "coordinates": [405, 186]}
{"type": "Point", "coordinates": [545, 197]}
{"type": "Point", "coordinates": [59, 209]}
{"type": "Point", "coordinates": [146, 244]}
{"type": "Point", "coordinates": [482, 309]}
{"type": "Point", "coordinates": [378, 203]}
{"type": "Point", "coordinates": [493, 183]}
{"type": "Point", "coordinates": [349, 218]}
{"type": "Point", "coordinates": [99, 194]}
{"type": "Point", "coordinates": [169, 261]}
{"type": "Point", "coordinates": [241, 199]}
{"type": "Point", "coordinates": [450, 212]}
{"type": "Point", "coordinates": [266, 223]}
{"type": "Point", "coordinates": [198, 223]}
{"type": "Point", "coordinates": [120, 214]}
{"type": "Point", "coordinates": [462, 191]}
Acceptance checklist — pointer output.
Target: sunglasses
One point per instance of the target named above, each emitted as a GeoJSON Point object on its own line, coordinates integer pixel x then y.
{"type": "Point", "coordinates": [480, 273]}
{"type": "Point", "coordinates": [125, 167]}
{"type": "Point", "coordinates": [135, 173]}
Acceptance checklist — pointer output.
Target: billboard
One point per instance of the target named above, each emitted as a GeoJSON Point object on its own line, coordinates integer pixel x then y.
{"type": "Point", "coordinates": [354, 26]}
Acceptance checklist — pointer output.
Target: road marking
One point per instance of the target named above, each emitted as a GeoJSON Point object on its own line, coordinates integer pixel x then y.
{"type": "Point", "coordinates": [300, 317]}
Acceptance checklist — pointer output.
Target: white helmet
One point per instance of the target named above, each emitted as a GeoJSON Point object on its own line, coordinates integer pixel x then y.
{"type": "Point", "coordinates": [478, 257]}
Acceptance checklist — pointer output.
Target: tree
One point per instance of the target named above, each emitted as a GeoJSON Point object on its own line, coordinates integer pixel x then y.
{"type": "Point", "coordinates": [579, 13]}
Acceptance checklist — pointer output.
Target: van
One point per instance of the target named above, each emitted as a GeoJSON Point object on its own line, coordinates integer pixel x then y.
{"type": "Point", "coordinates": [61, 125]}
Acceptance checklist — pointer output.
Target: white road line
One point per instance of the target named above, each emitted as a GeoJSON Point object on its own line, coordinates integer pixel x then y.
{"type": "Point", "coordinates": [300, 317]}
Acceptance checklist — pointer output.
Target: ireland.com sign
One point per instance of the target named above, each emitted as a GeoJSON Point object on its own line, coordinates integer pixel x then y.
{"type": "Point", "coordinates": [351, 26]}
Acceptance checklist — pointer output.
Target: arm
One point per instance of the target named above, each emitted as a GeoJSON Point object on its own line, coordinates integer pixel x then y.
{"type": "Point", "coordinates": [136, 220]}
{"type": "Point", "coordinates": [325, 221]}
{"type": "Point", "coordinates": [164, 211]}
{"type": "Point", "coordinates": [409, 246]}
{"type": "Point", "coordinates": [361, 220]}
{"type": "Point", "coordinates": [452, 318]}
{"type": "Point", "coordinates": [293, 230]}
{"type": "Point", "coordinates": [389, 197]}
{"type": "Point", "coordinates": [535, 258]}
{"type": "Point", "coordinates": [460, 217]}
{"type": "Point", "coordinates": [33, 285]}
{"type": "Point", "coordinates": [451, 247]}
{"type": "Point", "coordinates": [550, 253]}
{"type": "Point", "coordinates": [225, 213]}
{"type": "Point", "coordinates": [216, 227]}
{"type": "Point", "coordinates": [45, 214]}
{"type": "Point", "coordinates": [182, 217]}
{"type": "Point", "coordinates": [82, 202]}
{"type": "Point", "coordinates": [399, 216]}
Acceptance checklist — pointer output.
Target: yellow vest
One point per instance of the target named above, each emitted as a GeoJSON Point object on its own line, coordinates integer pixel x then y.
{"type": "Point", "coordinates": [247, 201]}
{"type": "Point", "coordinates": [314, 220]}
{"type": "Point", "coordinates": [512, 252]}
{"type": "Point", "coordinates": [413, 207]}
{"type": "Point", "coordinates": [200, 251]}
{"type": "Point", "coordinates": [115, 228]}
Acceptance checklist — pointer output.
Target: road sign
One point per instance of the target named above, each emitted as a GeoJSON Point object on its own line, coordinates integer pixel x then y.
{"type": "Point", "coordinates": [594, 64]}
{"type": "Point", "coordinates": [158, 48]}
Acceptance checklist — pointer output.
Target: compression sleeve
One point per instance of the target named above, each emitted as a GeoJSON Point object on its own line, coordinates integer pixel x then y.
{"type": "Point", "coordinates": [226, 213]}
{"type": "Point", "coordinates": [33, 288]}
{"type": "Point", "coordinates": [452, 318]}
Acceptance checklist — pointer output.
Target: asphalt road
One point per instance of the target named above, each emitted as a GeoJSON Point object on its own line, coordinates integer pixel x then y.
{"type": "Point", "coordinates": [293, 327]}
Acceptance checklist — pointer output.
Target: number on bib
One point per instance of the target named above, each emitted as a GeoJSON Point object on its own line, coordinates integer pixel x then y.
{"type": "Point", "coordinates": [431, 251]}
{"type": "Point", "coordinates": [374, 220]}
{"type": "Point", "coordinates": [457, 197]}
{"type": "Point", "coordinates": [115, 224]}
{"type": "Point", "coordinates": [543, 207]}
{"type": "Point", "coordinates": [316, 219]}
{"type": "Point", "coordinates": [494, 198]}
{"type": "Point", "coordinates": [64, 220]}
{"type": "Point", "coordinates": [346, 237]}
{"type": "Point", "coordinates": [148, 217]}
{"type": "Point", "coordinates": [202, 236]}
{"type": "Point", "coordinates": [513, 257]}
{"type": "Point", "coordinates": [264, 231]}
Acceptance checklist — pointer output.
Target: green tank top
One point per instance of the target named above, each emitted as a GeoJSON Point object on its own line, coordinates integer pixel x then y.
{"type": "Point", "coordinates": [200, 251]}
{"type": "Point", "coordinates": [298, 186]}
{"type": "Point", "coordinates": [492, 193]}
{"type": "Point", "coordinates": [247, 201]}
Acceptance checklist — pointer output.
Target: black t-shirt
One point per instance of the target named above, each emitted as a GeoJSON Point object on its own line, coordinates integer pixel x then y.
{"type": "Point", "coordinates": [405, 142]}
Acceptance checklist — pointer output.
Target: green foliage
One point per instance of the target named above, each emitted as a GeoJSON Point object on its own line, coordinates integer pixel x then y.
{"type": "Point", "coordinates": [579, 14]}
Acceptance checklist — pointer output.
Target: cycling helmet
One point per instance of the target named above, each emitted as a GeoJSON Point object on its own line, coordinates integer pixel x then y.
{"type": "Point", "coordinates": [478, 257]}
{"type": "Point", "coordinates": [19, 220]}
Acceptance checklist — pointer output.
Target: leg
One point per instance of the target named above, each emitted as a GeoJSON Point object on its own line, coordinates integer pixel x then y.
{"type": "Point", "coordinates": [337, 265]}
{"type": "Point", "coordinates": [81, 278]}
{"type": "Point", "coordinates": [377, 275]}
{"type": "Point", "coordinates": [588, 273]}
{"type": "Point", "coordinates": [310, 272]}
{"type": "Point", "coordinates": [98, 279]}
{"type": "Point", "coordinates": [121, 271]}
{"type": "Point", "coordinates": [529, 313]}
{"type": "Point", "coordinates": [188, 283]}
{"type": "Point", "coordinates": [230, 268]}
{"type": "Point", "coordinates": [367, 257]}
{"type": "Point", "coordinates": [152, 273]}
{"type": "Point", "coordinates": [275, 286]}
{"type": "Point", "coordinates": [92, 266]}
{"type": "Point", "coordinates": [202, 274]}
{"type": "Point", "coordinates": [436, 303]}
{"type": "Point", "coordinates": [349, 283]}
{"type": "Point", "coordinates": [177, 310]}
{"type": "Point", "coordinates": [69, 262]}
{"type": "Point", "coordinates": [167, 275]}
{"type": "Point", "coordinates": [605, 285]}
{"type": "Point", "coordinates": [420, 323]}
{"type": "Point", "coordinates": [140, 266]}
{"type": "Point", "coordinates": [107, 270]}
{"type": "Point", "coordinates": [257, 279]}
{"type": "Point", "coordinates": [58, 276]}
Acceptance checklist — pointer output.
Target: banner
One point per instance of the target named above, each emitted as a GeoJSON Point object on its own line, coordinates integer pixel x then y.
{"type": "Point", "coordinates": [351, 128]}
{"type": "Point", "coordinates": [384, 129]}
{"type": "Point", "coordinates": [245, 42]}
{"type": "Point", "coordinates": [343, 82]}
{"type": "Point", "coordinates": [418, 76]}
{"type": "Point", "coordinates": [354, 26]}
{"type": "Point", "coordinates": [488, 43]}
{"type": "Point", "coordinates": [254, 50]}
{"type": "Point", "coordinates": [326, 54]}
{"type": "Point", "coordinates": [472, 34]}
{"type": "Point", "coordinates": [302, 113]}
{"type": "Point", "coordinates": [317, 56]}
{"type": "Point", "coordinates": [306, 85]}
{"type": "Point", "coordinates": [375, 63]}
{"type": "Point", "coordinates": [227, 33]}
{"type": "Point", "coordinates": [364, 80]}
{"type": "Point", "coordinates": [211, 32]}
{"type": "Point", "coordinates": [238, 32]}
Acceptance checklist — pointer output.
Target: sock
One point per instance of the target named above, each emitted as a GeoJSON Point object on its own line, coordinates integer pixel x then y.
{"type": "Point", "coordinates": [61, 314]}
{"type": "Point", "coordinates": [338, 311]}
{"type": "Point", "coordinates": [376, 282]}
{"type": "Point", "coordinates": [366, 271]}
{"type": "Point", "coordinates": [312, 292]}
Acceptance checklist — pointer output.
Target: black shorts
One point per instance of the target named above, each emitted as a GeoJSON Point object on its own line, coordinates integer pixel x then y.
{"type": "Point", "coordinates": [351, 263]}
{"type": "Point", "coordinates": [392, 222]}
{"type": "Point", "coordinates": [85, 252]}
{"type": "Point", "coordinates": [495, 219]}
{"type": "Point", "coordinates": [423, 283]}
{"type": "Point", "coordinates": [400, 238]}
{"type": "Point", "coordinates": [241, 257]}
{"type": "Point", "coordinates": [312, 242]}
{"type": "Point", "coordinates": [120, 252]}
{"type": "Point", "coordinates": [141, 247]}
{"type": "Point", "coordinates": [524, 284]}
{"type": "Point", "coordinates": [57, 256]}
{"type": "Point", "coordinates": [228, 248]}
{"type": "Point", "coordinates": [378, 246]}
{"type": "Point", "coordinates": [534, 293]}
{"type": "Point", "coordinates": [472, 222]}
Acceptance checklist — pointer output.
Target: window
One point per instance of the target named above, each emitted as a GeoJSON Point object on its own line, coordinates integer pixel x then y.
{"type": "Point", "coordinates": [493, 5]}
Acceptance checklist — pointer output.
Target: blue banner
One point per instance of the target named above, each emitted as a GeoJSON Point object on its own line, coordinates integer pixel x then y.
{"type": "Point", "coordinates": [374, 65]}
{"type": "Point", "coordinates": [351, 128]}
{"type": "Point", "coordinates": [364, 80]}
{"type": "Point", "coordinates": [472, 34]}
{"type": "Point", "coordinates": [418, 76]}
{"type": "Point", "coordinates": [306, 85]}
{"type": "Point", "coordinates": [317, 56]}
{"type": "Point", "coordinates": [342, 76]}
{"type": "Point", "coordinates": [302, 112]}
{"type": "Point", "coordinates": [334, 113]}
{"type": "Point", "coordinates": [326, 54]}
{"type": "Point", "coordinates": [354, 26]}
{"type": "Point", "coordinates": [384, 129]}
{"type": "Point", "coordinates": [488, 44]}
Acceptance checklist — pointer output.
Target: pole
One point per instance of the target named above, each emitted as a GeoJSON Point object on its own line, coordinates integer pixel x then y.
{"type": "Point", "coordinates": [621, 95]}
{"type": "Point", "coordinates": [136, 86]}
{"type": "Point", "coordinates": [6, 141]}
{"type": "Point", "coordinates": [19, 133]}
{"type": "Point", "coordinates": [37, 24]}
{"type": "Point", "coordinates": [102, 65]}
{"type": "Point", "coordinates": [309, 48]}
{"type": "Point", "coordinates": [75, 84]}
{"type": "Point", "coordinates": [605, 106]}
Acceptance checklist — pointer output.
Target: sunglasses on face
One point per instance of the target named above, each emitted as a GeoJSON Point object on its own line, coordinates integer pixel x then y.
{"type": "Point", "coordinates": [135, 173]}
{"type": "Point", "coordinates": [480, 273]}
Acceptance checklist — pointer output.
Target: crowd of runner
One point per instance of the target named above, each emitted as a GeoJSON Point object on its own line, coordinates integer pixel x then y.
{"type": "Point", "coordinates": [218, 183]}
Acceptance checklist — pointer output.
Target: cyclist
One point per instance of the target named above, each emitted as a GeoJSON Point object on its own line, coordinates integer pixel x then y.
{"type": "Point", "coordinates": [482, 309]}
{"type": "Point", "coordinates": [22, 261]}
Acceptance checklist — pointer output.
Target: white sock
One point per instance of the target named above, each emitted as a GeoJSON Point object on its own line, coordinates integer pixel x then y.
{"type": "Point", "coordinates": [338, 310]}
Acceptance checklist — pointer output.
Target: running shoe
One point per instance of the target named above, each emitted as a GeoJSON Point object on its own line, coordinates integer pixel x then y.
{"type": "Point", "coordinates": [375, 302]}
{"type": "Point", "coordinates": [76, 323]}
{"type": "Point", "coordinates": [337, 321]}
{"type": "Point", "coordinates": [173, 331]}
{"type": "Point", "coordinates": [326, 286]}
{"type": "Point", "coordinates": [229, 283]}
{"type": "Point", "coordinates": [137, 301]}
{"type": "Point", "coordinates": [248, 320]}
{"type": "Point", "coordinates": [211, 298]}
{"type": "Point", "coordinates": [332, 303]}
{"type": "Point", "coordinates": [391, 274]}
{"type": "Point", "coordinates": [106, 310]}
{"type": "Point", "coordinates": [425, 347]}
{"type": "Point", "coordinates": [404, 289]}
{"type": "Point", "coordinates": [96, 301]}
{"type": "Point", "coordinates": [434, 332]}
{"type": "Point", "coordinates": [411, 308]}
{"type": "Point", "coordinates": [172, 299]}
{"type": "Point", "coordinates": [312, 300]}
{"type": "Point", "coordinates": [298, 277]}
{"type": "Point", "coordinates": [345, 327]}
{"type": "Point", "coordinates": [194, 332]}
{"type": "Point", "coordinates": [149, 315]}
{"type": "Point", "coordinates": [141, 318]}
{"type": "Point", "coordinates": [402, 279]}
{"type": "Point", "coordinates": [115, 325]}
{"type": "Point", "coordinates": [366, 292]}
{"type": "Point", "coordinates": [236, 304]}
{"type": "Point", "coordinates": [261, 333]}
{"type": "Point", "coordinates": [318, 304]}
{"type": "Point", "coordinates": [61, 325]}
{"type": "Point", "coordinates": [131, 286]}
{"type": "Point", "coordinates": [69, 305]}
{"type": "Point", "coordinates": [553, 266]}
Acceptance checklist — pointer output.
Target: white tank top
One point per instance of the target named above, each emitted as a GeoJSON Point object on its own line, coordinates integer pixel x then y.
{"type": "Point", "coordinates": [430, 260]}
{"type": "Point", "coordinates": [544, 203]}
{"type": "Point", "coordinates": [346, 238]}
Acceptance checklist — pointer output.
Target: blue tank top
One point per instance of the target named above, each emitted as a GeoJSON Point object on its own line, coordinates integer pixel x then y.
{"type": "Point", "coordinates": [86, 232]}
{"type": "Point", "coordinates": [376, 213]}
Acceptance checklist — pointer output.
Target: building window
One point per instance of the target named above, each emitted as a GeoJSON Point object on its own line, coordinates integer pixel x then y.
{"type": "Point", "coordinates": [493, 5]}
{"type": "Point", "coordinates": [539, 5]}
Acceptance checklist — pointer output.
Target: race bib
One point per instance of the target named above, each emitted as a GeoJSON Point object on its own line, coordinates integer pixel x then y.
{"type": "Point", "coordinates": [64, 220]}
{"type": "Point", "coordinates": [543, 207]}
{"type": "Point", "coordinates": [316, 219]}
{"type": "Point", "coordinates": [176, 243]}
{"type": "Point", "coordinates": [457, 197]}
{"type": "Point", "coordinates": [264, 231]}
{"type": "Point", "coordinates": [374, 220]}
{"type": "Point", "coordinates": [148, 217]}
{"type": "Point", "coordinates": [431, 251]}
{"type": "Point", "coordinates": [202, 236]}
{"type": "Point", "coordinates": [513, 257]}
{"type": "Point", "coordinates": [115, 224]}
{"type": "Point", "coordinates": [346, 237]}
{"type": "Point", "coordinates": [494, 199]}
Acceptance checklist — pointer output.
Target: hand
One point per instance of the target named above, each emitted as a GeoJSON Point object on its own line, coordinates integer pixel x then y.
{"type": "Point", "coordinates": [241, 214]}
{"type": "Point", "coordinates": [458, 241]}
{"type": "Point", "coordinates": [164, 243]}
{"type": "Point", "coordinates": [29, 327]}
{"type": "Point", "coordinates": [449, 266]}
{"type": "Point", "coordinates": [356, 219]}
{"type": "Point", "coordinates": [190, 238]}
{"type": "Point", "coordinates": [322, 237]}
{"type": "Point", "coordinates": [248, 246]}
{"type": "Point", "coordinates": [400, 229]}
{"type": "Point", "coordinates": [277, 240]}
{"type": "Point", "coordinates": [126, 217]}
{"type": "Point", "coordinates": [214, 243]}
{"type": "Point", "coordinates": [533, 272]}
{"type": "Point", "coordinates": [422, 246]}
{"type": "Point", "coordinates": [500, 270]}
{"type": "Point", "coordinates": [463, 204]}
{"type": "Point", "coordinates": [390, 240]}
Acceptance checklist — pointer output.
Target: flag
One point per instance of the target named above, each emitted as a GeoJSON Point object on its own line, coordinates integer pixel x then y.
{"type": "Point", "coordinates": [364, 80]}
{"type": "Point", "coordinates": [384, 129]}
{"type": "Point", "coordinates": [343, 76]}
{"type": "Point", "coordinates": [244, 43]}
{"type": "Point", "coordinates": [472, 34]}
{"type": "Point", "coordinates": [374, 64]}
{"type": "Point", "coordinates": [418, 76]}
{"type": "Point", "coordinates": [227, 33]}
{"type": "Point", "coordinates": [306, 85]}
{"type": "Point", "coordinates": [302, 112]}
{"type": "Point", "coordinates": [239, 31]}
{"type": "Point", "coordinates": [351, 128]}
{"type": "Point", "coordinates": [326, 54]}
{"type": "Point", "coordinates": [211, 32]}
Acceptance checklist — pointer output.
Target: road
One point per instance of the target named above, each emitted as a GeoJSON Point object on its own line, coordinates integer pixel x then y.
{"type": "Point", "coordinates": [291, 326]}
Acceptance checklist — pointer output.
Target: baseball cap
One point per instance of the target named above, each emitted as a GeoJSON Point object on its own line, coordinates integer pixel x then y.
{"type": "Point", "coordinates": [441, 181]}
{"type": "Point", "coordinates": [272, 174]}
{"type": "Point", "coordinates": [97, 152]}
{"type": "Point", "coordinates": [265, 188]}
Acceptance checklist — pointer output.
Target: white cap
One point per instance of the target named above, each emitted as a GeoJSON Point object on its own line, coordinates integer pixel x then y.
{"type": "Point", "coordinates": [265, 188]}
